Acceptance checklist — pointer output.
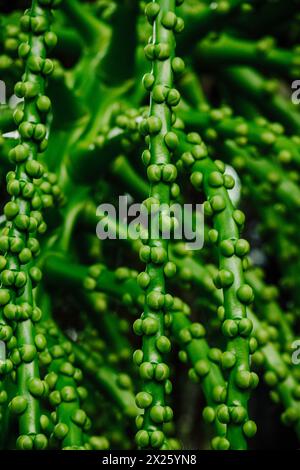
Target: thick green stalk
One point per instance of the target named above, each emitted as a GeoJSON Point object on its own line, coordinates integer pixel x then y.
{"type": "Point", "coordinates": [24, 219]}
{"type": "Point", "coordinates": [62, 378]}
{"type": "Point", "coordinates": [153, 371]}
{"type": "Point", "coordinates": [236, 327]}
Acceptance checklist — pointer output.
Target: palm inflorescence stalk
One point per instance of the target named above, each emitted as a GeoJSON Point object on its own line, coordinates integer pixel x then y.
{"type": "Point", "coordinates": [98, 334]}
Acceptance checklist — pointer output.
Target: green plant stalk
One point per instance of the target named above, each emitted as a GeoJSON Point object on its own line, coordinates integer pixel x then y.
{"type": "Point", "coordinates": [61, 368]}
{"type": "Point", "coordinates": [25, 169]}
{"type": "Point", "coordinates": [103, 376]}
{"type": "Point", "coordinates": [29, 420]}
{"type": "Point", "coordinates": [160, 118]}
{"type": "Point", "coordinates": [224, 127]}
{"type": "Point", "coordinates": [67, 410]}
{"type": "Point", "coordinates": [85, 161]}
{"type": "Point", "coordinates": [227, 225]}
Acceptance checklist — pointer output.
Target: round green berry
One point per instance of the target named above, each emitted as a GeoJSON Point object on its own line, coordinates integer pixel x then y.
{"type": "Point", "coordinates": [143, 399]}
{"type": "Point", "coordinates": [18, 405]}
{"type": "Point", "coordinates": [245, 294]}
{"type": "Point", "coordinates": [142, 438]}
{"type": "Point", "coordinates": [157, 414]}
{"type": "Point", "coordinates": [249, 428]}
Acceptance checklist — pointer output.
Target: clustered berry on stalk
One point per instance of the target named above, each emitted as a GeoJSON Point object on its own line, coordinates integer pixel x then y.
{"type": "Point", "coordinates": [93, 332]}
